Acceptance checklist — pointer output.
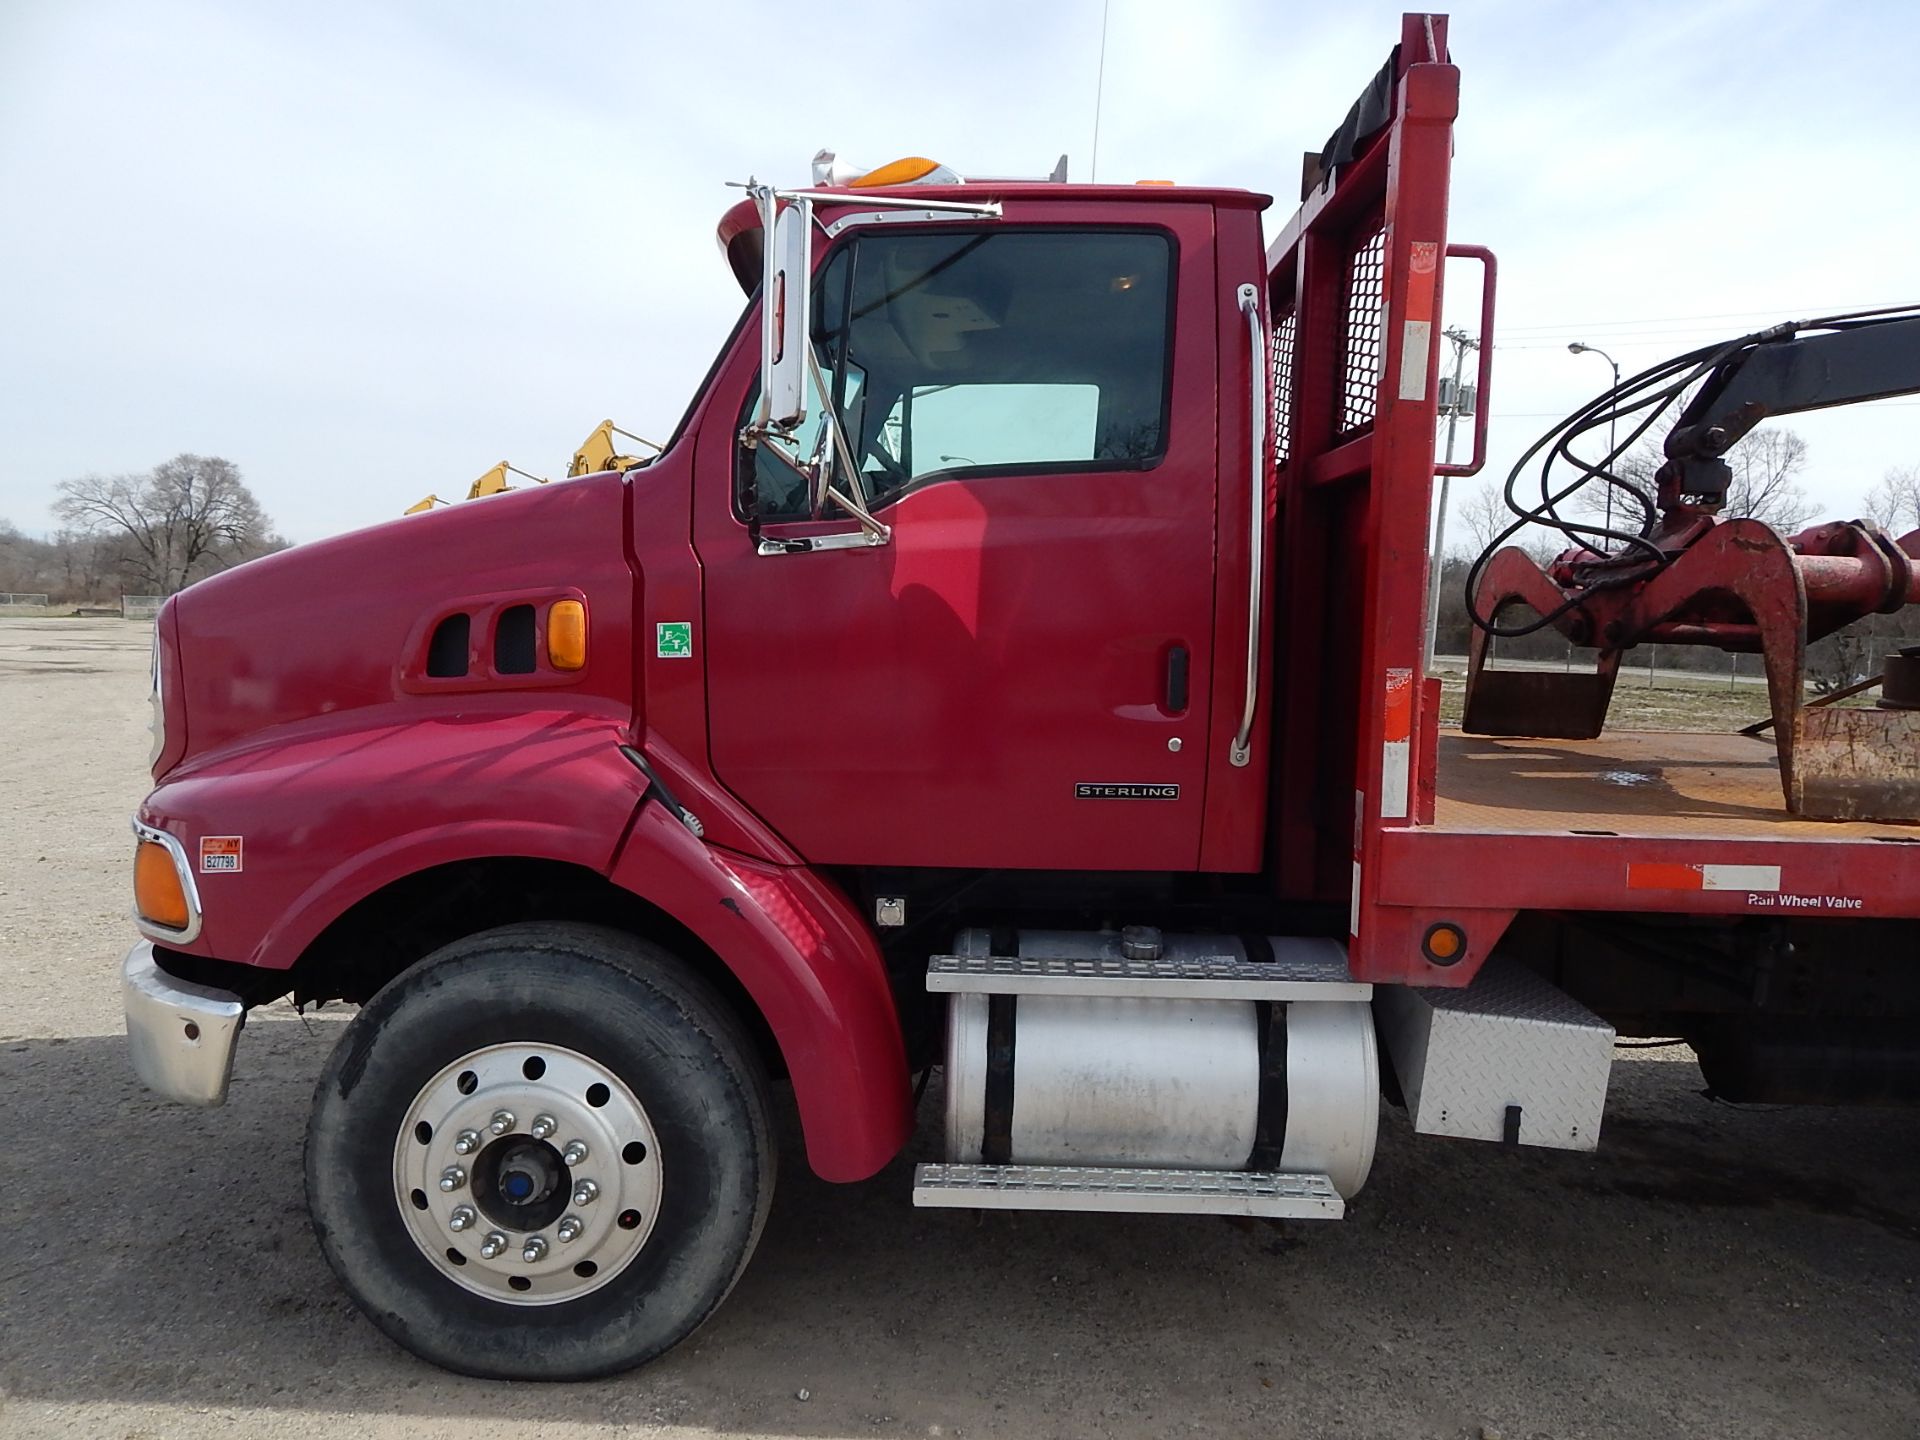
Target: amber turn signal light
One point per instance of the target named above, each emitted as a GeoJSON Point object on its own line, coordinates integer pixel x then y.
{"type": "Point", "coordinates": [1444, 943]}
{"type": "Point", "coordinates": [567, 635]}
{"type": "Point", "coordinates": [157, 892]}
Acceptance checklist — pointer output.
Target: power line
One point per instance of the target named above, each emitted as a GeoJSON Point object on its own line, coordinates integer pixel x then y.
{"type": "Point", "coordinates": [1639, 339]}
{"type": "Point", "coordinates": [1558, 415]}
{"type": "Point", "coordinates": [1779, 310]}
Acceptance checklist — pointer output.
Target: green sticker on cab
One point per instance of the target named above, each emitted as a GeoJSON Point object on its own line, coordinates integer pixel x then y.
{"type": "Point", "coordinates": [673, 639]}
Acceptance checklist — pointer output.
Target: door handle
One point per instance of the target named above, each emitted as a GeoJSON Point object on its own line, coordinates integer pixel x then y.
{"type": "Point", "coordinates": [1177, 663]}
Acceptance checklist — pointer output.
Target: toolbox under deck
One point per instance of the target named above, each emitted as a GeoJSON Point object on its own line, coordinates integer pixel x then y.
{"type": "Point", "coordinates": [1628, 782]}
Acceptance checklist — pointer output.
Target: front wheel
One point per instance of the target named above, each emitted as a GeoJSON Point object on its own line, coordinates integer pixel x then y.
{"type": "Point", "coordinates": [544, 1152]}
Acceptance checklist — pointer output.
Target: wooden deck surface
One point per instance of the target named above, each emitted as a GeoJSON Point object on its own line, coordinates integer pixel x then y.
{"type": "Point", "coordinates": [1628, 783]}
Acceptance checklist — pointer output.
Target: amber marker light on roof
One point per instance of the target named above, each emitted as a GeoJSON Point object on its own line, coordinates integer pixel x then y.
{"type": "Point", "coordinates": [157, 892]}
{"type": "Point", "coordinates": [567, 635]}
{"type": "Point", "coordinates": [898, 172]}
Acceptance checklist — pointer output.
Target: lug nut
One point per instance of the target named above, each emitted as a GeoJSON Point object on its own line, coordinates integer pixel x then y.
{"type": "Point", "coordinates": [536, 1247]}
{"type": "Point", "coordinates": [466, 1142]}
{"type": "Point", "coordinates": [462, 1218]}
{"type": "Point", "coordinates": [502, 1122]}
{"type": "Point", "coordinates": [585, 1192]}
{"type": "Point", "coordinates": [569, 1228]}
{"type": "Point", "coordinates": [493, 1246]}
{"type": "Point", "coordinates": [452, 1178]}
{"type": "Point", "coordinates": [543, 1126]}
{"type": "Point", "coordinates": [575, 1152]}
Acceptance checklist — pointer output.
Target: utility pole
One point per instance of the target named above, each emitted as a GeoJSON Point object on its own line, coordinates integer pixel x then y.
{"type": "Point", "coordinates": [1456, 405]}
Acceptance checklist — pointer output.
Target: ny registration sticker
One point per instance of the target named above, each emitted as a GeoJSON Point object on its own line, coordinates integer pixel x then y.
{"type": "Point", "coordinates": [219, 854]}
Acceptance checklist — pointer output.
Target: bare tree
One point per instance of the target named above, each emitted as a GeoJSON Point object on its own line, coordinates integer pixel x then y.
{"type": "Point", "coordinates": [1840, 660]}
{"type": "Point", "coordinates": [1484, 518]}
{"type": "Point", "coordinates": [1894, 500]}
{"type": "Point", "coordinates": [183, 520]}
{"type": "Point", "coordinates": [1767, 464]}
{"type": "Point", "coordinates": [84, 563]}
{"type": "Point", "coordinates": [1483, 515]}
{"type": "Point", "coordinates": [19, 562]}
{"type": "Point", "coordinates": [1616, 507]}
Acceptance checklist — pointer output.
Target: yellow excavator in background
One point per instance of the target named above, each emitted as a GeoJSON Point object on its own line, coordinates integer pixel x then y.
{"type": "Point", "coordinates": [494, 482]}
{"type": "Point", "coordinates": [596, 453]}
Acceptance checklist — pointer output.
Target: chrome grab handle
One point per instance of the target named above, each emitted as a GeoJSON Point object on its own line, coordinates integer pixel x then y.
{"type": "Point", "coordinates": [1249, 296]}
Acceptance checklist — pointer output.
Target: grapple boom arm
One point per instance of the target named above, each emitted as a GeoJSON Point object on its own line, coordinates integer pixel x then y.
{"type": "Point", "coordinates": [1783, 373]}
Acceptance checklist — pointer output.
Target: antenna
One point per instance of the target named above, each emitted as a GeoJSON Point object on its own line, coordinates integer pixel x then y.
{"type": "Point", "coordinates": [1099, 92]}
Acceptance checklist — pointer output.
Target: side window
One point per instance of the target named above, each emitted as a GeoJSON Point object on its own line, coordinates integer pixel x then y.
{"type": "Point", "coordinates": [959, 351]}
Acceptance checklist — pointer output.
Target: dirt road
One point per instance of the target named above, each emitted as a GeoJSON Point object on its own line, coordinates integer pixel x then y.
{"type": "Point", "coordinates": [1712, 1272]}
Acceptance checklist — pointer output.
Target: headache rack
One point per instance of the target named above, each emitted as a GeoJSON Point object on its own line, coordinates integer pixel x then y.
{"type": "Point", "coordinates": [1410, 829]}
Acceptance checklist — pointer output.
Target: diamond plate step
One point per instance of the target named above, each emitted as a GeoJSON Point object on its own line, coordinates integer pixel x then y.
{"type": "Point", "coordinates": [1302, 969]}
{"type": "Point", "coordinates": [1153, 1192]}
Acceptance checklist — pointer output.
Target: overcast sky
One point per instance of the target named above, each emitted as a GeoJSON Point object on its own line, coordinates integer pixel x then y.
{"type": "Point", "coordinates": [367, 250]}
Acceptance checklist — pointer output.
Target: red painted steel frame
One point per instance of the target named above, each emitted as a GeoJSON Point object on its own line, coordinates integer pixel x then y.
{"type": "Point", "coordinates": [1354, 505]}
{"type": "Point", "coordinates": [1354, 511]}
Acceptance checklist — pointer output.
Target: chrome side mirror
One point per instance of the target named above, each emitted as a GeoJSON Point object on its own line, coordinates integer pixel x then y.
{"type": "Point", "coordinates": [788, 367]}
{"type": "Point", "coordinates": [785, 311]}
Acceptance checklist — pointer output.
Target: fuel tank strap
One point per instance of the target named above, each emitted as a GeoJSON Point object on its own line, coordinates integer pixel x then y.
{"type": "Point", "coordinates": [996, 1147]}
{"type": "Point", "coordinates": [1270, 1119]}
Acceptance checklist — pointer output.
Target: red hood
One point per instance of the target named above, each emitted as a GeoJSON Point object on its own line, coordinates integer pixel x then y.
{"type": "Point", "coordinates": [342, 625]}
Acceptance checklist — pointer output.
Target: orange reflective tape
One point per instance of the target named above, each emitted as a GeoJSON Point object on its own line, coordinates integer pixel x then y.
{"type": "Point", "coordinates": [1664, 876]}
{"type": "Point", "coordinates": [1398, 724]}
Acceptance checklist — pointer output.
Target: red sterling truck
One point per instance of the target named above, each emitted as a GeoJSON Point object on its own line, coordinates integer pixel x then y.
{"type": "Point", "coordinates": [1012, 665]}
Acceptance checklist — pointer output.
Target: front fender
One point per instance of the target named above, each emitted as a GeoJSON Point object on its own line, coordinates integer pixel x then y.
{"type": "Point", "coordinates": [325, 817]}
{"type": "Point", "coordinates": [328, 817]}
{"type": "Point", "coordinates": [798, 947]}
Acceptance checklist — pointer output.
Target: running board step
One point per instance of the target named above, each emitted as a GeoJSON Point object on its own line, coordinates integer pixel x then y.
{"type": "Point", "coordinates": [1302, 968]}
{"type": "Point", "coordinates": [1151, 1192]}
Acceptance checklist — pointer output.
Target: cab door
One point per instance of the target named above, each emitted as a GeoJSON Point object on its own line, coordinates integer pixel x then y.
{"type": "Point", "coordinates": [1020, 676]}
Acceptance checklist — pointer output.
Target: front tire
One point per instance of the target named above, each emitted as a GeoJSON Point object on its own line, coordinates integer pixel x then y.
{"type": "Point", "coordinates": [543, 1153]}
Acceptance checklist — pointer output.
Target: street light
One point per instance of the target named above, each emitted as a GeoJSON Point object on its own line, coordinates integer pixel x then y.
{"type": "Point", "coordinates": [1613, 420]}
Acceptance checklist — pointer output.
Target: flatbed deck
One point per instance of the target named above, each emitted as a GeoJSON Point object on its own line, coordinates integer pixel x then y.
{"type": "Point", "coordinates": [1655, 783]}
{"type": "Point", "coordinates": [1651, 822]}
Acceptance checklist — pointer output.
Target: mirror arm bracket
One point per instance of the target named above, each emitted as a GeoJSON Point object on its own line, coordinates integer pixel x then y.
{"type": "Point", "coordinates": [842, 451]}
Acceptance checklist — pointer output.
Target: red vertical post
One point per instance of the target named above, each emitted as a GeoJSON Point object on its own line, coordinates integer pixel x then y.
{"type": "Point", "coordinates": [1393, 702]}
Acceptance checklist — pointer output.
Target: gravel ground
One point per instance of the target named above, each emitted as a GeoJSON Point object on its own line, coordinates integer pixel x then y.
{"type": "Point", "coordinates": [1714, 1271]}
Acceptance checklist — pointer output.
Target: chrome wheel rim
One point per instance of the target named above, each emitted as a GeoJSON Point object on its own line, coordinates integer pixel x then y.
{"type": "Point", "coordinates": [529, 1174]}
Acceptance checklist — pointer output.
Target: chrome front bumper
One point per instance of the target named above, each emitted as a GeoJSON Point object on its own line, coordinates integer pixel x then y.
{"type": "Point", "coordinates": [182, 1035]}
